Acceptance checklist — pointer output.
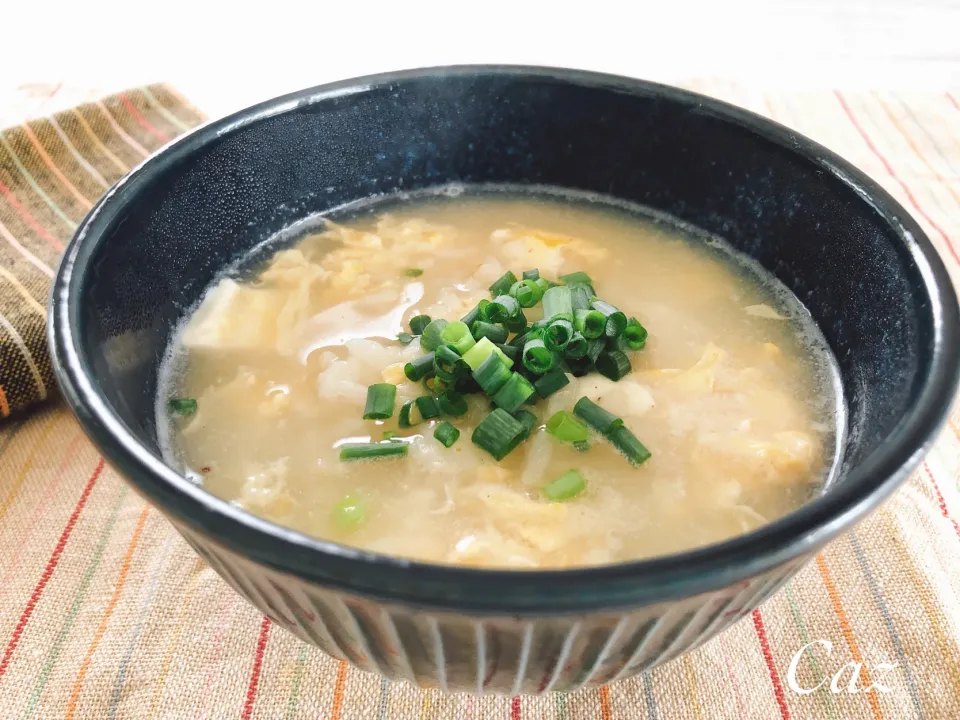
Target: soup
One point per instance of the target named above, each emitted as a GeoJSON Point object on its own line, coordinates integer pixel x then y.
{"type": "Point", "coordinates": [724, 415]}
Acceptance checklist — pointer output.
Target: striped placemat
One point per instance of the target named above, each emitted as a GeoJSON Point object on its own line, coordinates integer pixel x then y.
{"type": "Point", "coordinates": [105, 612]}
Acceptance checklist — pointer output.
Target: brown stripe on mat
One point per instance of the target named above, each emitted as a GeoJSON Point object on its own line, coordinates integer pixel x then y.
{"type": "Point", "coordinates": [52, 171]}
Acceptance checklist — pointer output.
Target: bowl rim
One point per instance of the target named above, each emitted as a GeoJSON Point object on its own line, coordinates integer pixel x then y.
{"type": "Point", "coordinates": [790, 539]}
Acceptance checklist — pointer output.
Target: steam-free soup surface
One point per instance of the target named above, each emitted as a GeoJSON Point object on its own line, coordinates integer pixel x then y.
{"type": "Point", "coordinates": [732, 393]}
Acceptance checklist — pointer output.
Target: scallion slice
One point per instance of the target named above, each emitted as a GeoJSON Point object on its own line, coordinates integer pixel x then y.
{"type": "Point", "coordinates": [577, 347]}
{"type": "Point", "coordinates": [492, 374]}
{"type": "Point", "coordinates": [517, 323]}
{"type": "Point", "coordinates": [557, 304]}
{"type": "Point", "coordinates": [510, 351]}
{"type": "Point", "coordinates": [602, 421]}
{"type": "Point", "coordinates": [418, 323]}
{"type": "Point", "coordinates": [595, 347]}
{"type": "Point", "coordinates": [628, 444]}
{"type": "Point", "coordinates": [564, 426]}
{"type": "Point", "coordinates": [634, 335]}
{"type": "Point", "coordinates": [558, 334]}
{"type": "Point", "coordinates": [446, 434]}
{"type": "Point", "coordinates": [408, 415]}
{"type": "Point", "coordinates": [514, 393]}
{"type": "Point", "coordinates": [613, 364]}
{"type": "Point", "coordinates": [475, 356]}
{"type": "Point", "coordinates": [428, 406]}
{"type": "Point", "coordinates": [616, 320]}
{"type": "Point", "coordinates": [182, 407]}
{"type": "Point", "coordinates": [414, 272]}
{"type": "Point", "coordinates": [550, 382]}
{"type": "Point", "coordinates": [527, 293]}
{"type": "Point", "coordinates": [419, 368]}
{"type": "Point", "coordinates": [580, 296]}
{"type": "Point", "coordinates": [544, 284]}
{"type": "Point", "coordinates": [498, 433]}
{"type": "Point", "coordinates": [437, 385]}
{"type": "Point", "coordinates": [579, 367]}
{"type": "Point", "coordinates": [475, 314]}
{"type": "Point", "coordinates": [349, 513]}
{"type": "Point", "coordinates": [381, 398]}
{"type": "Point", "coordinates": [592, 323]}
{"type": "Point", "coordinates": [458, 334]}
{"type": "Point", "coordinates": [565, 487]}
{"type": "Point", "coordinates": [576, 278]}
{"type": "Point", "coordinates": [482, 329]}
{"type": "Point", "coordinates": [371, 451]}
{"type": "Point", "coordinates": [532, 274]}
{"type": "Point", "coordinates": [536, 357]}
{"type": "Point", "coordinates": [447, 362]}
{"type": "Point", "coordinates": [528, 420]}
{"type": "Point", "coordinates": [501, 309]}
{"type": "Point", "coordinates": [431, 340]}
{"type": "Point", "coordinates": [503, 284]}
{"type": "Point", "coordinates": [405, 338]}
{"type": "Point", "coordinates": [452, 403]}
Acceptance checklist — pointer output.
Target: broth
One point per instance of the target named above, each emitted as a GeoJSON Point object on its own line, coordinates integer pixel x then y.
{"type": "Point", "coordinates": [734, 393]}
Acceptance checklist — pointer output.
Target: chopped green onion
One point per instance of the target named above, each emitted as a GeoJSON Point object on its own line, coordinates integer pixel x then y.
{"type": "Point", "coordinates": [543, 284]}
{"type": "Point", "coordinates": [558, 334]}
{"type": "Point", "coordinates": [501, 309]}
{"type": "Point", "coordinates": [448, 361]}
{"type": "Point", "coordinates": [531, 274]}
{"type": "Point", "coordinates": [576, 278]}
{"type": "Point", "coordinates": [349, 513]}
{"type": "Point", "coordinates": [582, 446]}
{"type": "Point", "coordinates": [527, 293]}
{"type": "Point", "coordinates": [405, 338]}
{"type": "Point", "coordinates": [431, 340]}
{"type": "Point", "coordinates": [616, 320]}
{"type": "Point", "coordinates": [437, 385]}
{"type": "Point", "coordinates": [458, 334]}
{"type": "Point", "coordinates": [596, 417]}
{"type": "Point", "coordinates": [475, 314]}
{"type": "Point", "coordinates": [409, 415]}
{"type": "Point", "coordinates": [517, 323]}
{"type": "Point", "coordinates": [514, 393]}
{"type": "Point", "coordinates": [557, 303]}
{"type": "Point", "coordinates": [380, 401]}
{"type": "Point", "coordinates": [528, 420]}
{"type": "Point", "coordinates": [467, 386]}
{"type": "Point", "coordinates": [579, 367]}
{"type": "Point", "coordinates": [550, 382]}
{"type": "Point", "coordinates": [475, 356]}
{"type": "Point", "coordinates": [452, 403]}
{"type": "Point", "coordinates": [370, 451]}
{"type": "Point", "coordinates": [492, 374]}
{"type": "Point", "coordinates": [595, 347]}
{"type": "Point", "coordinates": [634, 335]}
{"type": "Point", "coordinates": [536, 357]}
{"type": "Point", "coordinates": [388, 434]}
{"type": "Point", "coordinates": [482, 329]}
{"type": "Point", "coordinates": [428, 406]}
{"type": "Point", "coordinates": [577, 347]}
{"type": "Point", "coordinates": [419, 368]}
{"type": "Point", "coordinates": [628, 444]}
{"type": "Point", "coordinates": [613, 364]}
{"type": "Point", "coordinates": [520, 340]}
{"type": "Point", "coordinates": [499, 433]}
{"type": "Point", "coordinates": [503, 285]}
{"type": "Point", "coordinates": [592, 323]}
{"type": "Point", "coordinates": [564, 426]}
{"type": "Point", "coordinates": [182, 406]}
{"type": "Point", "coordinates": [418, 323]}
{"type": "Point", "coordinates": [510, 351]}
{"type": "Point", "coordinates": [414, 272]}
{"type": "Point", "coordinates": [446, 434]}
{"type": "Point", "coordinates": [580, 296]}
{"type": "Point", "coordinates": [565, 487]}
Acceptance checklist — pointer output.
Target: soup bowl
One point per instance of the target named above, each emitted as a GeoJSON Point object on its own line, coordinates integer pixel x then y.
{"type": "Point", "coordinates": [864, 269]}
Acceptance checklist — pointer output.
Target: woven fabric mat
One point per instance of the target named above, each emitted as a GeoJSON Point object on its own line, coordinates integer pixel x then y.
{"type": "Point", "coordinates": [106, 613]}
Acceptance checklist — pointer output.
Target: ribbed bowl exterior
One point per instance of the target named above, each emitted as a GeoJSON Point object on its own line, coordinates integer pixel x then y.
{"type": "Point", "coordinates": [459, 652]}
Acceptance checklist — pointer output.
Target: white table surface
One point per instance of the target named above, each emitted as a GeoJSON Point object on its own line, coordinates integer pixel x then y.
{"type": "Point", "coordinates": [225, 56]}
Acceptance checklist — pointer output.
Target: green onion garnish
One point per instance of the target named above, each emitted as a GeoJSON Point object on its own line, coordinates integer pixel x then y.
{"type": "Point", "coordinates": [577, 347]}
{"type": "Point", "coordinates": [419, 368]}
{"type": "Point", "coordinates": [514, 393]}
{"type": "Point", "coordinates": [380, 401]}
{"type": "Point", "coordinates": [492, 374]}
{"type": "Point", "coordinates": [405, 338]}
{"type": "Point", "coordinates": [510, 351]}
{"type": "Point", "coordinates": [580, 297]}
{"type": "Point", "coordinates": [564, 426]}
{"type": "Point", "coordinates": [558, 334]}
{"type": "Point", "coordinates": [431, 340]}
{"type": "Point", "coordinates": [579, 367]}
{"type": "Point", "coordinates": [528, 420]}
{"type": "Point", "coordinates": [616, 320]}
{"type": "Point", "coordinates": [595, 347]}
{"type": "Point", "coordinates": [557, 303]}
{"type": "Point", "coordinates": [182, 407]}
{"type": "Point", "coordinates": [634, 335]}
{"type": "Point", "coordinates": [370, 451]}
{"type": "Point", "coordinates": [418, 323]}
{"type": "Point", "coordinates": [503, 285]}
{"type": "Point", "coordinates": [582, 446]}
{"type": "Point", "coordinates": [532, 274]}
{"type": "Point", "coordinates": [628, 444]}
{"type": "Point", "coordinates": [517, 323]}
{"type": "Point", "coordinates": [498, 433]}
{"type": "Point", "coordinates": [482, 329]}
{"type": "Point", "coordinates": [536, 358]}
{"type": "Point", "coordinates": [408, 415]}
{"type": "Point", "coordinates": [592, 323]}
{"type": "Point", "coordinates": [447, 361]}
{"type": "Point", "coordinates": [501, 309]}
{"type": "Point", "coordinates": [519, 340]}
{"type": "Point", "coordinates": [446, 434]}
{"type": "Point", "coordinates": [475, 314]}
{"type": "Point", "coordinates": [414, 272]}
{"type": "Point", "coordinates": [576, 278]}
{"type": "Point", "coordinates": [388, 434]}
{"type": "Point", "coordinates": [349, 513]}
{"type": "Point", "coordinates": [458, 334]}
{"type": "Point", "coordinates": [550, 382]}
{"type": "Point", "coordinates": [527, 293]}
{"type": "Point", "coordinates": [565, 487]}
{"type": "Point", "coordinates": [596, 417]}
{"type": "Point", "coordinates": [437, 385]}
{"type": "Point", "coordinates": [544, 284]}
{"type": "Point", "coordinates": [613, 364]}
{"type": "Point", "coordinates": [475, 356]}
{"type": "Point", "coordinates": [428, 406]}
{"type": "Point", "coordinates": [452, 403]}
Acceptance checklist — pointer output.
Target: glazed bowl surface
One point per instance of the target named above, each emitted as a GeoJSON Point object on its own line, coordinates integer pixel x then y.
{"type": "Point", "coordinates": [854, 257]}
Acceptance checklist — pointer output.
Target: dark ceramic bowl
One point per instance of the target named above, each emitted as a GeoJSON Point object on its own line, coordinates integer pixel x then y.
{"type": "Point", "coordinates": [857, 260]}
